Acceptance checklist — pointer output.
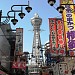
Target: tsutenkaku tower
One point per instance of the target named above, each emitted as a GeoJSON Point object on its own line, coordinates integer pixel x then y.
{"type": "Point", "coordinates": [36, 22]}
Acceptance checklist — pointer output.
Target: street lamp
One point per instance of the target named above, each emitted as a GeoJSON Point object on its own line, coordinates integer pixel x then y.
{"type": "Point", "coordinates": [21, 14]}
{"type": "Point", "coordinates": [14, 21]}
{"type": "Point", "coordinates": [60, 8]}
{"type": "Point", "coordinates": [51, 2]}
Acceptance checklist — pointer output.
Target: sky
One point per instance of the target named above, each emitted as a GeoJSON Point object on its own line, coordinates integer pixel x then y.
{"type": "Point", "coordinates": [44, 11]}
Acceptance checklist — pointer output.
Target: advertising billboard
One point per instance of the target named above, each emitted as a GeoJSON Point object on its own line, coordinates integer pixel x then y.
{"type": "Point", "coordinates": [69, 20]}
{"type": "Point", "coordinates": [57, 39]}
{"type": "Point", "coordinates": [53, 35]}
{"type": "Point", "coordinates": [60, 36]}
{"type": "Point", "coordinates": [19, 41]}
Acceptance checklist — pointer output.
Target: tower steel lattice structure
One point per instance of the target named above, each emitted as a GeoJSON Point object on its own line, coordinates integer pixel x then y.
{"type": "Point", "coordinates": [36, 22]}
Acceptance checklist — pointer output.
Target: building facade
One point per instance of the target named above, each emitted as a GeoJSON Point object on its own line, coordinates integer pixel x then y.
{"type": "Point", "coordinates": [7, 45]}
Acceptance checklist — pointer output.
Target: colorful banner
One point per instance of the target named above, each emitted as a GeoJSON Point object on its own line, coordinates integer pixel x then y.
{"type": "Point", "coordinates": [69, 22]}
{"type": "Point", "coordinates": [60, 36]}
{"type": "Point", "coordinates": [53, 35]}
{"type": "Point", "coordinates": [57, 38]}
{"type": "Point", "coordinates": [19, 41]}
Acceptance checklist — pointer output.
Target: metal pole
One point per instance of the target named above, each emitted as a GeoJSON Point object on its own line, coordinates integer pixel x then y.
{"type": "Point", "coordinates": [17, 6]}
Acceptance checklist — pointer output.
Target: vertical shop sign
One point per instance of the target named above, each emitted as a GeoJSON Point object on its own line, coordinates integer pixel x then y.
{"type": "Point", "coordinates": [69, 22]}
{"type": "Point", "coordinates": [53, 35]}
{"type": "Point", "coordinates": [60, 36]}
{"type": "Point", "coordinates": [19, 40]}
{"type": "Point", "coordinates": [57, 39]}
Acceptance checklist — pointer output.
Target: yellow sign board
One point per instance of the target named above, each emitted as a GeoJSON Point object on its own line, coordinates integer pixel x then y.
{"type": "Point", "coordinates": [69, 23]}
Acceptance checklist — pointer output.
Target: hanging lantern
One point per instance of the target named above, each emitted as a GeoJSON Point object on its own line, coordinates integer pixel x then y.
{"type": "Point", "coordinates": [51, 2]}
{"type": "Point", "coordinates": [60, 9]}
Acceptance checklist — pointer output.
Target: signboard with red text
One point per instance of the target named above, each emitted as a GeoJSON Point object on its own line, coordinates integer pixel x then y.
{"type": "Point", "coordinates": [57, 39]}
{"type": "Point", "coordinates": [53, 35]}
{"type": "Point", "coordinates": [60, 36]}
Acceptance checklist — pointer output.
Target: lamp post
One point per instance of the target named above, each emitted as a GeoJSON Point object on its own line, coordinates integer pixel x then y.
{"type": "Point", "coordinates": [21, 14]}
{"type": "Point", "coordinates": [61, 7]}
{"type": "Point", "coordinates": [7, 18]}
{"type": "Point", "coordinates": [28, 8]}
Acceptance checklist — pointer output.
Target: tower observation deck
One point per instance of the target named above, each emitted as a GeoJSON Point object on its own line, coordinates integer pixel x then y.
{"type": "Point", "coordinates": [36, 22]}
